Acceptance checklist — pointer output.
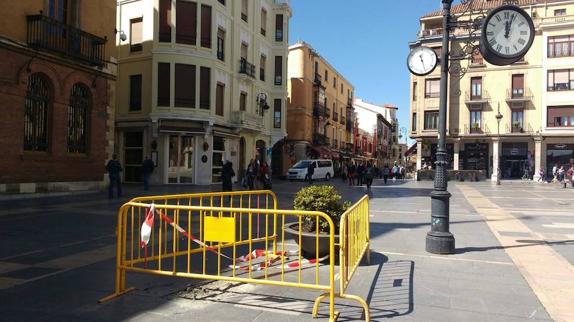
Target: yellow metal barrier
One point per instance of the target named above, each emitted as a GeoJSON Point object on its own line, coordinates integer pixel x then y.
{"type": "Point", "coordinates": [238, 237]}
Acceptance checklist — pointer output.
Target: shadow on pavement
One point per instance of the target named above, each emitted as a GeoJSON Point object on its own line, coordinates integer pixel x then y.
{"type": "Point", "coordinates": [526, 243]}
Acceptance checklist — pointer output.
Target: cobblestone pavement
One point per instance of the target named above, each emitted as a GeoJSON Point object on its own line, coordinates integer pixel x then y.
{"type": "Point", "coordinates": [57, 260]}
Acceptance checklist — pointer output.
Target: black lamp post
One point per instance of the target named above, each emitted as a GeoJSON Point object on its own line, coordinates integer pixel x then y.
{"type": "Point", "coordinates": [261, 100]}
{"type": "Point", "coordinates": [498, 119]}
{"type": "Point", "coordinates": [439, 240]}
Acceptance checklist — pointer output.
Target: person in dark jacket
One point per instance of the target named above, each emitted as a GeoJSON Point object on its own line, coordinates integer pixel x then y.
{"type": "Point", "coordinates": [147, 168]}
{"type": "Point", "coordinates": [227, 175]}
{"type": "Point", "coordinates": [310, 172]}
{"type": "Point", "coordinates": [114, 167]}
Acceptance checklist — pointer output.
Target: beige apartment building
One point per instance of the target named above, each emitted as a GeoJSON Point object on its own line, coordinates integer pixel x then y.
{"type": "Point", "coordinates": [57, 87]}
{"type": "Point", "coordinates": [320, 115]}
{"type": "Point", "coordinates": [200, 82]}
{"type": "Point", "coordinates": [534, 96]}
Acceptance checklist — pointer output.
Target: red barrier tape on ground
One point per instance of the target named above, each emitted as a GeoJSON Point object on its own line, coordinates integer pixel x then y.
{"type": "Point", "coordinates": [274, 257]}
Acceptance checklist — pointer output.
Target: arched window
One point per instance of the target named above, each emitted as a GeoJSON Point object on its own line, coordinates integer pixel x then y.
{"type": "Point", "coordinates": [38, 101]}
{"type": "Point", "coordinates": [78, 118]}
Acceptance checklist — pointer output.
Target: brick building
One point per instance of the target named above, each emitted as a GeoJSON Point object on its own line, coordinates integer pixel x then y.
{"type": "Point", "coordinates": [56, 93]}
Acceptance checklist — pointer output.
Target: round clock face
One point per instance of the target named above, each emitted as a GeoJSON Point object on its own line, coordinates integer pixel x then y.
{"type": "Point", "coordinates": [422, 61]}
{"type": "Point", "coordinates": [507, 34]}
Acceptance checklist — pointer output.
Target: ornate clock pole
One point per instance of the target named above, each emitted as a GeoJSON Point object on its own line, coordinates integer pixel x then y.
{"type": "Point", "coordinates": [439, 240]}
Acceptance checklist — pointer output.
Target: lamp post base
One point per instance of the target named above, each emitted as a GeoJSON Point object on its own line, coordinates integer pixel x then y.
{"type": "Point", "coordinates": [440, 243]}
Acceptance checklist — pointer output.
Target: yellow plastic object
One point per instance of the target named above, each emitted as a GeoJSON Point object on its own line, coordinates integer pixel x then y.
{"type": "Point", "coordinates": [219, 229]}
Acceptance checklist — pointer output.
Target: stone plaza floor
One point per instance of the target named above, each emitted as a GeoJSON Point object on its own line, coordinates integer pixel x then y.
{"type": "Point", "coordinates": [513, 262]}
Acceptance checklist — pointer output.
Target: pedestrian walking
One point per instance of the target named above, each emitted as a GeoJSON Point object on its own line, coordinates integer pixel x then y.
{"type": "Point", "coordinates": [251, 173]}
{"type": "Point", "coordinates": [227, 175]}
{"type": "Point", "coordinates": [360, 174]}
{"type": "Point", "coordinates": [369, 175]}
{"type": "Point", "coordinates": [555, 173]}
{"type": "Point", "coordinates": [395, 172]}
{"type": "Point", "coordinates": [264, 176]}
{"type": "Point", "coordinates": [541, 175]}
{"type": "Point", "coordinates": [310, 172]}
{"type": "Point", "coordinates": [114, 167]}
{"type": "Point", "coordinates": [570, 176]}
{"type": "Point", "coordinates": [561, 174]}
{"type": "Point", "coordinates": [351, 173]}
{"type": "Point", "coordinates": [386, 172]}
{"type": "Point", "coordinates": [147, 169]}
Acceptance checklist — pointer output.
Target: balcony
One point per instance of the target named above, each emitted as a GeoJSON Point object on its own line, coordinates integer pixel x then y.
{"type": "Point", "coordinates": [321, 111]}
{"type": "Point", "coordinates": [476, 129]}
{"type": "Point", "coordinates": [320, 139]}
{"type": "Point", "coordinates": [54, 36]}
{"type": "Point", "coordinates": [343, 120]}
{"type": "Point", "coordinates": [517, 95]}
{"type": "Point", "coordinates": [335, 144]}
{"type": "Point", "coordinates": [279, 35]}
{"type": "Point", "coordinates": [335, 116]}
{"type": "Point", "coordinates": [519, 128]}
{"type": "Point", "coordinates": [431, 33]}
{"type": "Point", "coordinates": [483, 98]}
{"type": "Point", "coordinates": [247, 121]}
{"type": "Point", "coordinates": [349, 102]}
{"type": "Point", "coordinates": [349, 126]}
{"type": "Point", "coordinates": [246, 68]}
{"type": "Point", "coordinates": [554, 20]}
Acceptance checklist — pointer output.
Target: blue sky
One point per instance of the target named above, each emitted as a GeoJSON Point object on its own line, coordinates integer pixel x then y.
{"type": "Point", "coordinates": [366, 41]}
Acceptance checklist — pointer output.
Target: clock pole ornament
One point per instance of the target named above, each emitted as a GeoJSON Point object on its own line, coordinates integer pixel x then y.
{"type": "Point", "coordinates": [507, 35]}
{"type": "Point", "coordinates": [422, 61]}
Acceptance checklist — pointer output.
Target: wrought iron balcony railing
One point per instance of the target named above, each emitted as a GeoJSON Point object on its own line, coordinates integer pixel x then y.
{"type": "Point", "coordinates": [476, 129]}
{"type": "Point", "coordinates": [320, 139]}
{"type": "Point", "coordinates": [335, 116]}
{"type": "Point", "coordinates": [519, 127]}
{"type": "Point", "coordinates": [477, 98]}
{"type": "Point", "coordinates": [435, 32]}
{"type": "Point", "coordinates": [246, 68]}
{"type": "Point", "coordinates": [45, 33]}
{"type": "Point", "coordinates": [349, 126]}
{"type": "Point", "coordinates": [321, 111]}
{"type": "Point", "coordinates": [518, 95]}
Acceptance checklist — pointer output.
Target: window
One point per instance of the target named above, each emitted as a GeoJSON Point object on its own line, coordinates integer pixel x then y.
{"type": "Point", "coordinates": [135, 93]}
{"type": "Point", "coordinates": [221, 1]}
{"type": "Point", "coordinates": [263, 21]}
{"type": "Point", "coordinates": [561, 46]}
{"type": "Point", "coordinates": [335, 82]}
{"type": "Point", "coordinates": [476, 87]}
{"type": "Point", "coordinates": [165, 20]}
{"type": "Point", "coordinates": [204, 88]}
{"type": "Point", "coordinates": [185, 85]}
{"type": "Point", "coordinates": [186, 19]}
{"type": "Point", "coordinates": [415, 91]}
{"type": "Point", "coordinates": [221, 44]}
{"type": "Point", "coordinates": [341, 88]}
{"type": "Point", "coordinates": [243, 52]}
{"type": "Point", "coordinates": [560, 116]}
{"type": "Point", "coordinates": [136, 34]}
{"type": "Point", "coordinates": [244, 6]}
{"type": "Point", "coordinates": [278, 27]}
{"type": "Point", "coordinates": [163, 87]}
{"type": "Point", "coordinates": [414, 123]}
{"type": "Point", "coordinates": [477, 57]}
{"type": "Point", "coordinates": [277, 113]}
{"type": "Point", "coordinates": [517, 120]}
{"type": "Point", "coordinates": [59, 10]}
{"type": "Point", "coordinates": [38, 101]}
{"type": "Point", "coordinates": [561, 80]}
{"type": "Point", "coordinates": [278, 70]}
{"type": "Point", "coordinates": [432, 88]}
{"type": "Point", "coordinates": [219, 98]}
{"type": "Point", "coordinates": [242, 101]}
{"type": "Point", "coordinates": [205, 26]}
{"type": "Point", "coordinates": [326, 76]}
{"type": "Point", "coordinates": [475, 121]}
{"type": "Point", "coordinates": [431, 120]}
{"type": "Point", "coordinates": [517, 85]}
{"type": "Point", "coordinates": [262, 62]}
{"type": "Point", "coordinates": [559, 12]}
{"type": "Point", "coordinates": [78, 118]}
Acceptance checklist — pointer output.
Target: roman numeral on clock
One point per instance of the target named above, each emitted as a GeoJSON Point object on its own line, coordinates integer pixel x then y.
{"type": "Point", "coordinates": [490, 33]}
{"type": "Point", "coordinates": [498, 48]}
{"type": "Point", "coordinates": [522, 41]}
{"type": "Point", "coordinates": [523, 32]}
{"type": "Point", "coordinates": [492, 42]}
{"type": "Point", "coordinates": [498, 18]}
{"type": "Point", "coordinates": [507, 49]}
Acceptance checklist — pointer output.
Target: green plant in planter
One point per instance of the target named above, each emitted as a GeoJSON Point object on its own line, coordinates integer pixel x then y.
{"type": "Point", "coordinates": [320, 198]}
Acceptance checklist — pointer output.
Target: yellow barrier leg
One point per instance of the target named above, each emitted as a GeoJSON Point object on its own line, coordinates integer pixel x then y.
{"type": "Point", "coordinates": [318, 302]}
{"type": "Point", "coordinates": [361, 301]}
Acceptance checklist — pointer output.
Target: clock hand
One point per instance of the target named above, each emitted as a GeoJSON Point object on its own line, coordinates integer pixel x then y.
{"type": "Point", "coordinates": [510, 23]}
{"type": "Point", "coordinates": [506, 29]}
{"type": "Point", "coordinates": [422, 61]}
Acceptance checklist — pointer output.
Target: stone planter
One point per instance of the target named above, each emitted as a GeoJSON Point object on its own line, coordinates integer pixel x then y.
{"type": "Point", "coordinates": [308, 241]}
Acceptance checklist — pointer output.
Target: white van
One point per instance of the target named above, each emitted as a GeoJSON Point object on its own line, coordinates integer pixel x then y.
{"type": "Point", "coordinates": [323, 170]}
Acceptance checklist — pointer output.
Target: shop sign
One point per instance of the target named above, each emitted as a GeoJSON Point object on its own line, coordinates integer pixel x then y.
{"type": "Point", "coordinates": [514, 151]}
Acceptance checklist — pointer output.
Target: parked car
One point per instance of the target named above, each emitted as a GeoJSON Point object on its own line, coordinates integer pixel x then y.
{"type": "Point", "coordinates": [323, 170]}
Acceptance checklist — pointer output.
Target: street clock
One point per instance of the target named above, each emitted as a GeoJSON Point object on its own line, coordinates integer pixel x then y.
{"type": "Point", "coordinates": [507, 35]}
{"type": "Point", "coordinates": [422, 61]}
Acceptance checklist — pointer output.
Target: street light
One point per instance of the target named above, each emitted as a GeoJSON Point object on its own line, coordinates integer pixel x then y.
{"type": "Point", "coordinates": [262, 102]}
{"type": "Point", "coordinates": [498, 119]}
{"type": "Point", "coordinates": [439, 239]}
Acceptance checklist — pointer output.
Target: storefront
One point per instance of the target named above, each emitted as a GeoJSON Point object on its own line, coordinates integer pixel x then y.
{"type": "Point", "coordinates": [476, 157]}
{"type": "Point", "coordinates": [429, 155]}
{"type": "Point", "coordinates": [516, 160]}
{"type": "Point", "coordinates": [559, 154]}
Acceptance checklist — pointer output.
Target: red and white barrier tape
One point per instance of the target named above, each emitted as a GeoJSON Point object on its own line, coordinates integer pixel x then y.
{"type": "Point", "coordinates": [273, 258]}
